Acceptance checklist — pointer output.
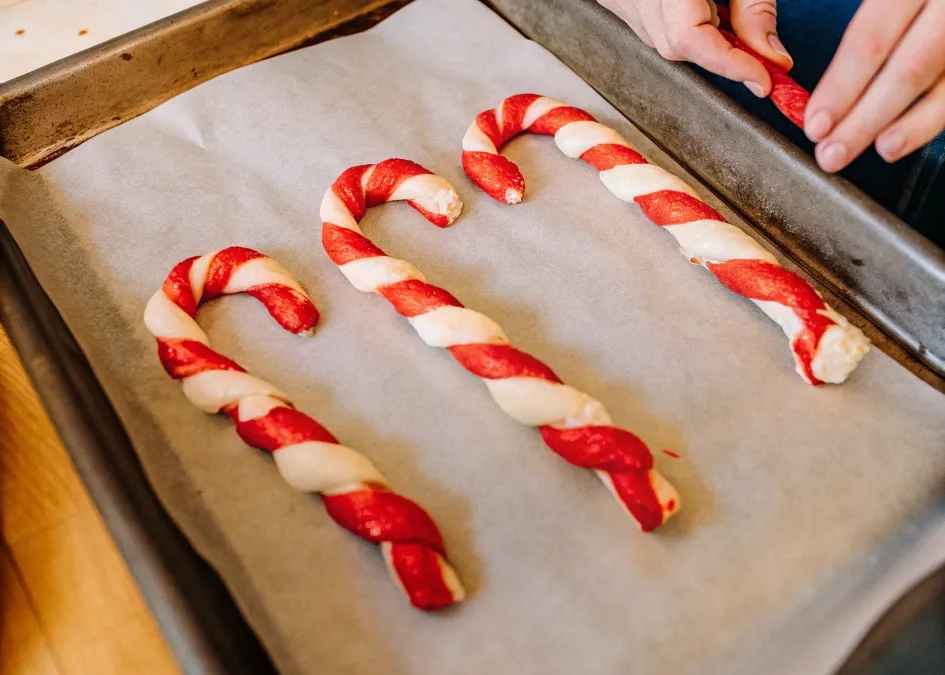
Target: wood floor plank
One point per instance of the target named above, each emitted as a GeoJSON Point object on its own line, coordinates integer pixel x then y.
{"type": "Point", "coordinates": [38, 485]}
{"type": "Point", "coordinates": [134, 646]}
{"type": "Point", "coordinates": [23, 647]}
{"type": "Point", "coordinates": [69, 605]}
{"type": "Point", "coordinates": [79, 585]}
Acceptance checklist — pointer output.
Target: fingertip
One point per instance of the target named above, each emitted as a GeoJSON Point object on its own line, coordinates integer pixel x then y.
{"type": "Point", "coordinates": [891, 145]}
{"type": "Point", "coordinates": [754, 77]}
{"type": "Point", "coordinates": [755, 89]}
{"type": "Point", "coordinates": [833, 156]}
{"type": "Point", "coordinates": [818, 124]}
{"type": "Point", "coordinates": [779, 53]}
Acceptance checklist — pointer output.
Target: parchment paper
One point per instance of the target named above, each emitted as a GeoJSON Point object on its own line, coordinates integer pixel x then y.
{"type": "Point", "coordinates": [791, 493]}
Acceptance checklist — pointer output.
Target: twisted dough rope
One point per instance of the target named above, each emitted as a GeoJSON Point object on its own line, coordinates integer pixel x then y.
{"type": "Point", "coordinates": [307, 455]}
{"type": "Point", "coordinates": [787, 95]}
{"type": "Point", "coordinates": [573, 424]}
{"type": "Point", "coordinates": [826, 347]}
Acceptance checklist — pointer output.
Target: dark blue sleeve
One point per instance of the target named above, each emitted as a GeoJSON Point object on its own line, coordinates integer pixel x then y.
{"type": "Point", "coordinates": [913, 188]}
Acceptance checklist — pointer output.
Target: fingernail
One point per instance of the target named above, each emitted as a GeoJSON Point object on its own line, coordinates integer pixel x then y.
{"type": "Point", "coordinates": [755, 89]}
{"type": "Point", "coordinates": [832, 157]}
{"type": "Point", "coordinates": [778, 46]}
{"type": "Point", "coordinates": [819, 125]}
{"type": "Point", "coordinates": [890, 146]}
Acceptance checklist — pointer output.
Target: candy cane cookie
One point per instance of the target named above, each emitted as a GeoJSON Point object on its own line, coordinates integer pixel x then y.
{"type": "Point", "coordinates": [354, 492]}
{"type": "Point", "coordinates": [827, 348]}
{"type": "Point", "coordinates": [573, 424]}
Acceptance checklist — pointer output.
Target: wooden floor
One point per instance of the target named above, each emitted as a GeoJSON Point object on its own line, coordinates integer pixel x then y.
{"type": "Point", "coordinates": [67, 603]}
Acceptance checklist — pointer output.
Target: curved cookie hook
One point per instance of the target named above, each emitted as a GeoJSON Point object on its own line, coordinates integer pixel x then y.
{"type": "Point", "coordinates": [827, 348]}
{"type": "Point", "coordinates": [574, 425]}
{"type": "Point", "coordinates": [307, 455]}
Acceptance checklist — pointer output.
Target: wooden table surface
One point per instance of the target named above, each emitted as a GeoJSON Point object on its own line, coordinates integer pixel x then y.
{"type": "Point", "coordinates": [67, 603]}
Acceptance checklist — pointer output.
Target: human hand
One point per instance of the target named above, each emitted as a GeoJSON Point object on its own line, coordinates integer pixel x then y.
{"type": "Point", "coordinates": [886, 84]}
{"type": "Point", "coordinates": [687, 30]}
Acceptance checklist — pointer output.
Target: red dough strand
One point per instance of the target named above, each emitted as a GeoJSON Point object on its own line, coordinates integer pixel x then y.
{"type": "Point", "coordinates": [787, 95]}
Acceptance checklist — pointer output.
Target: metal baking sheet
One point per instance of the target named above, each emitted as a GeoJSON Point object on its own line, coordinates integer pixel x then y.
{"type": "Point", "coordinates": [45, 141]}
{"type": "Point", "coordinates": [100, 213]}
{"type": "Point", "coordinates": [895, 276]}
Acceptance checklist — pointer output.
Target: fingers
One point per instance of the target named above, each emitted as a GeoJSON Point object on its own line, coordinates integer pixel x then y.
{"type": "Point", "coordinates": [915, 66]}
{"type": "Point", "coordinates": [755, 23]}
{"type": "Point", "coordinates": [869, 40]}
{"type": "Point", "coordinates": [626, 10]}
{"type": "Point", "coordinates": [916, 128]}
{"type": "Point", "coordinates": [651, 15]}
{"type": "Point", "coordinates": [691, 36]}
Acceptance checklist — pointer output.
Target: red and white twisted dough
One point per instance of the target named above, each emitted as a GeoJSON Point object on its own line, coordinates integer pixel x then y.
{"type": "Point", "coordinates": [573, 424]}
{"type": "Point", "coordinates": [826, 347]}
{"type": "Point", "coordinates": [308, 456]}
{"type": "Point", "coordinates": [787, 95]}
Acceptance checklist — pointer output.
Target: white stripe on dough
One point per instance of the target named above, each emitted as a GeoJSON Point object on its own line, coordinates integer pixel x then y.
{"type": "Point", "coordinates": [476, 140]}
{"type": "Point", "coordinates": [782, 315]}
{"type": "Point", "coordinates": [840, 349]}
{"type": "Point", "coordinates": [213, 390]}
{"type": "Point", "coordinates": [576, 138]}
{"type": "Point", "coordinates": [335, 212]}
{"type": "Point", "coordinates": [539, 107]}
{"type": "Point", "coordinates": [314, 466]}
{"type": "Point", "coordinates": [537, 402]}
{"type": "Point", "coordinates": [430, 192]}
{"type": "Point", "coordinates": [164, 319]}
{"type": "Point", "coordinates": [715, 241]}
{"type": "Point", "coordinates": [255, 407]}
{"type": "Point", "coordinates": [369, 274]}
{"type": "Point", "coordinates": [198, 274]}
{"type": "Point", "coordinates": [260, 272]}
{"type": "Point", "coordinates": [366, 177]}
{"type": "Point", "coordinates": [448, 326]}
{"type": "Point", "coordinates": [629, 181]}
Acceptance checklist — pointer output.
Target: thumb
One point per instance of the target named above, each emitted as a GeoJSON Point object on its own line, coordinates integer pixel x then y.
{"type": "Point", "coordinates": [756, 24]}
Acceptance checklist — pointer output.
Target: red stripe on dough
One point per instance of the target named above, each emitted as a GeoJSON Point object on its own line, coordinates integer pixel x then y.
{"type": "Point", "coordinates": [513, 114]}
{"type": "Point", "coordinates": [343, 245]}
{"type": "Point", "coordinates": [177, 287]}
{"type": "Point", "coordinates": [438, 219]}
{"type": "Point", "coordinates": [349, 190]}
{"type": "Point", "coordinates": [495, 175]}
{"type": "Point", "coordinates": [221, 268]}
{"type": "Point", "coordinates": [487, 124]}
{"type": "Point", "coordinates": [498, 362]}
{"type": "Point", "coordinates": [762, 280]}
{"type": "Point", "coordinates": [413, 297]}
{"type": "Point", "coordinates": [602, 448]}
{"type": "Point", "coordinates": [549, 123]}
{"type": "Point", "coordinates": [635, 492]}
{"type": "Point", "coordinates": [184, 358]}
{"type": "Point", "coordinates": [280, 428]}
{"type": "Point", "coordinates": [379, 515]}
{"type": "Point", "coordinates": [385, 178]}
{"type": "Point", "coordinates": [292, 310]}
{"type": "Point", "coordinates": [418, 569]}
{"type": "Point", "coordinates": [671, 207]}
{"type": "Point", "coordinates": [608, 155]}
{"type": "Point", "coordinates": [787, 95]}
